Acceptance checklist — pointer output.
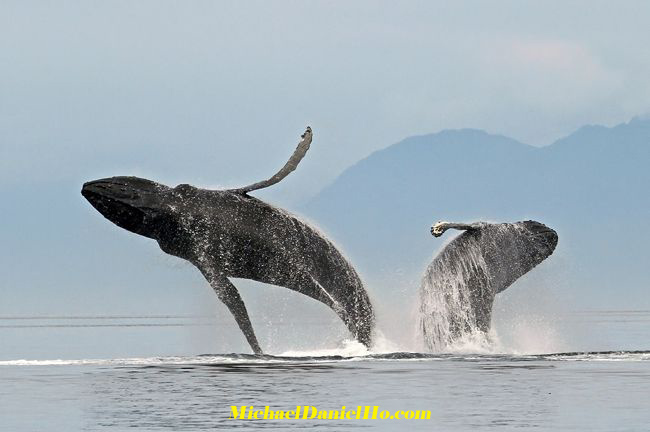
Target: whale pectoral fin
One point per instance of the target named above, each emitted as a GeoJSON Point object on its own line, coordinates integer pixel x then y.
{"type": "Point", "coordinates": [289, 167]}
{"type": "Point", "coordinates": [440, 227]}
{"type": "Point", "coordinates": [229, 295]}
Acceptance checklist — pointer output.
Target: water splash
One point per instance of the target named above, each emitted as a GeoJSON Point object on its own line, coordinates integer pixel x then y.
{"type": "Point", "coordinates": [348, 348]}
{"type": "Point", "coordinates": [530, 333]}
{"type": "Point", "coordinates": [446, 314]}
{"type": "Point", "coordinates": [477, 342]}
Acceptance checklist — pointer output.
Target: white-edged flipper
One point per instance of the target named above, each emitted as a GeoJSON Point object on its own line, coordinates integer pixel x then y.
{"type": "Point", "coordinates": [229, 295]}
{"type": "Point", "coordinates": [440, 227]}
{"type": "Point", "coordinates": [287, 169]}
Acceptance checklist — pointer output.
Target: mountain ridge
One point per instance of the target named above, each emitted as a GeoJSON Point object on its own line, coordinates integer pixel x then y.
{"type": "Point", "coordinates": [590, 186]}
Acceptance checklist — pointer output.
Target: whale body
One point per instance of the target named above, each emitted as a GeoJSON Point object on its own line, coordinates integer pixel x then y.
{"type": "Point", "coordinates": [459, 286]}
{"type": "Point", "coordinates": [229, 234]}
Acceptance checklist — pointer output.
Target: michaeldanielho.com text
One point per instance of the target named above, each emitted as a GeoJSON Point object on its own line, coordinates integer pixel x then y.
{"type": "Point", "coordinates": [305, 412]}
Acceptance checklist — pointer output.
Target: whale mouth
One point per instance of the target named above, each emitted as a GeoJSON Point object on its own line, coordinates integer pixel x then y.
{"type": "Point", "coordinates": [123, 200]}
{"type": "Point", "coordinates": [114, 209]}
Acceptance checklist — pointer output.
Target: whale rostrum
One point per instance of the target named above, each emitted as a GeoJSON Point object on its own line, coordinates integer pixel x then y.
{"type": "Point", "coordinates": [229, 234]}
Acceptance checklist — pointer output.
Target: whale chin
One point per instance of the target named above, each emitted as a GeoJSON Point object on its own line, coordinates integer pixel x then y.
{"type": "Point", "coordinates": [121, 214]}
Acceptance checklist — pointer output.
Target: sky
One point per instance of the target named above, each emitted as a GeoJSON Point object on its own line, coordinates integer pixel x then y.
{"type": "Point", "coordinates": [217, 93]}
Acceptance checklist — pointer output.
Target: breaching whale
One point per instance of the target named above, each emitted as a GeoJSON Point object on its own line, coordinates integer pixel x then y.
{"type": "Point", "coordinates": [227, 233]}
{"type": "Point", "coordinates": [459, 286]}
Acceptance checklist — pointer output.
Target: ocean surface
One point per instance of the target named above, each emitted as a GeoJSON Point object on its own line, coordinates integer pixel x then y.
{"type": "Point", "coordinates": [604, 388]}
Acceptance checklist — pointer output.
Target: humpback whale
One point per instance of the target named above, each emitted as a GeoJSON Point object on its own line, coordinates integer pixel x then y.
{"type": "Point", "coordinates": [460, 284]}
{"type": "Point", "coordinates": [230, 234]}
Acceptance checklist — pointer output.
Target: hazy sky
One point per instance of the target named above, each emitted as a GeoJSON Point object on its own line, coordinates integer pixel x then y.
{"type": "Point", "coordinates": [217, 93]}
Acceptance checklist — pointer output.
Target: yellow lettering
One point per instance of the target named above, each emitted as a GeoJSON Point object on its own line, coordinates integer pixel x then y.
{"type": "Point", "coordinates": [364, 412]}
{"type": "Point", "coordinates": [237, 414]}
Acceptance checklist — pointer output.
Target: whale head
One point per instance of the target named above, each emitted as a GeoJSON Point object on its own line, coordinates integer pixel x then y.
{"type": "Point", "coordinates": [541, 238]}
{"type": "Point", "coordinates": [513, 249]}
{"type": "Point", "coordinates": [132, 203]}
{"type": "Point", "coordinates": [180, 219]}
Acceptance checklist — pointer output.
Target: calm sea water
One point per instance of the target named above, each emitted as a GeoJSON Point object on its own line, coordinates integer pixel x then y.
{"type": "Point", "coordinates": [595, 391]}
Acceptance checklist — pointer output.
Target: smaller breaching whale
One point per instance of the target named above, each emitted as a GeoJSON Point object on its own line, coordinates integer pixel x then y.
{"type": "Point", "coordinates": [460, 284]}
{"type": "Point", "coordinates": [227, 233]}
